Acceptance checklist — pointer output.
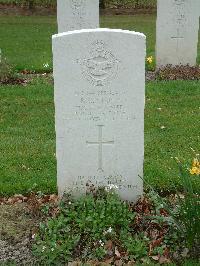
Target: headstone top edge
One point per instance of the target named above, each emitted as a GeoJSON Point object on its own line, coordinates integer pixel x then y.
{"type": "Point", "coordinates": [59, 35]}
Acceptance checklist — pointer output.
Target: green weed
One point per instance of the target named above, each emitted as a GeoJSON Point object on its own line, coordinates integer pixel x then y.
{"type": "Point", "coordinates": [83, 227]}
{"type": "Point", "coordinates": [189, 211]}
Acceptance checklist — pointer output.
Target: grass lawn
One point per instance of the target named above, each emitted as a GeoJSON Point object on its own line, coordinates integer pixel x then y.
{"type": "Point", "coordinates": [26, 40]}
{"type": "Point", "coordinates": [28, 140]}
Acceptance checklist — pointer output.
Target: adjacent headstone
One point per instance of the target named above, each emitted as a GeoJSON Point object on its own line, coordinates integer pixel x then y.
{"type": "Point", "coordinates": [77, 14]}
{"type": "Point", "coordinates": [177, 32]}
{"type": "Point", "coordinates": [99, 101]}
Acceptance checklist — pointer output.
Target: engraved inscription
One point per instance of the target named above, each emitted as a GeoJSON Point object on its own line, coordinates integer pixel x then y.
{"type": "Point", "coordinates": [179, 22]}
{"type": "Point", "coordinates": [78, 11]}
{"type": "Point", "coordinates": [100, 144]}
{"type": "Point", "coordinates": [100, 66]}
{"type": "Point", "coordinates": [100, 104]}
{"type": "Point", "coordinates": [116, 181]}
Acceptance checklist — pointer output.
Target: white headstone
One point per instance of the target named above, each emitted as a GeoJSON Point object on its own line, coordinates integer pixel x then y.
{"type": "Point", "coordinates": [99, 101]}
{"type": "Point", "coordinates": [177, 32]}
{"type": "Point", "coordinates": [77, 14]}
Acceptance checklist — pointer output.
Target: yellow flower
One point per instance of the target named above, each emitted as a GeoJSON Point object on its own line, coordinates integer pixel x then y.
{"type": "Point", "coordinates": [150, 59]}
{"type": "Point", "coordinates": [194, 171]}
{"type": "Point", "coordinates": [195, 167]}
{"type": "Point", "coordinates": [196, 163]}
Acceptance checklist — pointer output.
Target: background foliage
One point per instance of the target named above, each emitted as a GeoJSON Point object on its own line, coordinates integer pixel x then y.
{"type": "Point", "coordinates": [103, 3]}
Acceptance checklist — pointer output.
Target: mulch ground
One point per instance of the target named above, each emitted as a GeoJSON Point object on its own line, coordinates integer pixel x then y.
{"type": "Point", "coordinates": [8, 9]}
{"type": "Point", "coordinates": [16, 224]}
{"type": "Point", "coordinates": [24, 11]}
{"type": "Point", "coordinates": [19, 219]}
{"type": "Point", "coordinates": [167, 73]}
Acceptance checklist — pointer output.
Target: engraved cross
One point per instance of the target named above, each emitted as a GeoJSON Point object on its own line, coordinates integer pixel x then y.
{"type": "Point", "coordinates": [178, 37]}
{"type": "Point", "coordinates": [100, 144]}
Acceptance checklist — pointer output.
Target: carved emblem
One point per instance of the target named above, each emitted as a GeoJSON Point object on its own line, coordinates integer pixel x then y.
{"type": "Point", "coordinates": [78, 11]}
{"type": "Point", "coordinates": [101, 66]}
{"type": "Point", "coordinates": [179, 2]}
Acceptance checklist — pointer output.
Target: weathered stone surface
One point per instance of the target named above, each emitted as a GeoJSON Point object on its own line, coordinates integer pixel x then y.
{"type": "Point", "coordinates": [177, 32]}
{"type": "Point", "coordinates": [99, 100]}
{"type": "Point", "coordinates": [77, 14]}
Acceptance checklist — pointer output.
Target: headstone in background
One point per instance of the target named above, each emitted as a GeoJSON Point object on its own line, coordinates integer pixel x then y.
{"type": "Point", "coordinates": [177, 32]}
{"type": "Point", "coordinates": [77, 14]}
{"type": "Point", "coordinates": [99, 100]}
